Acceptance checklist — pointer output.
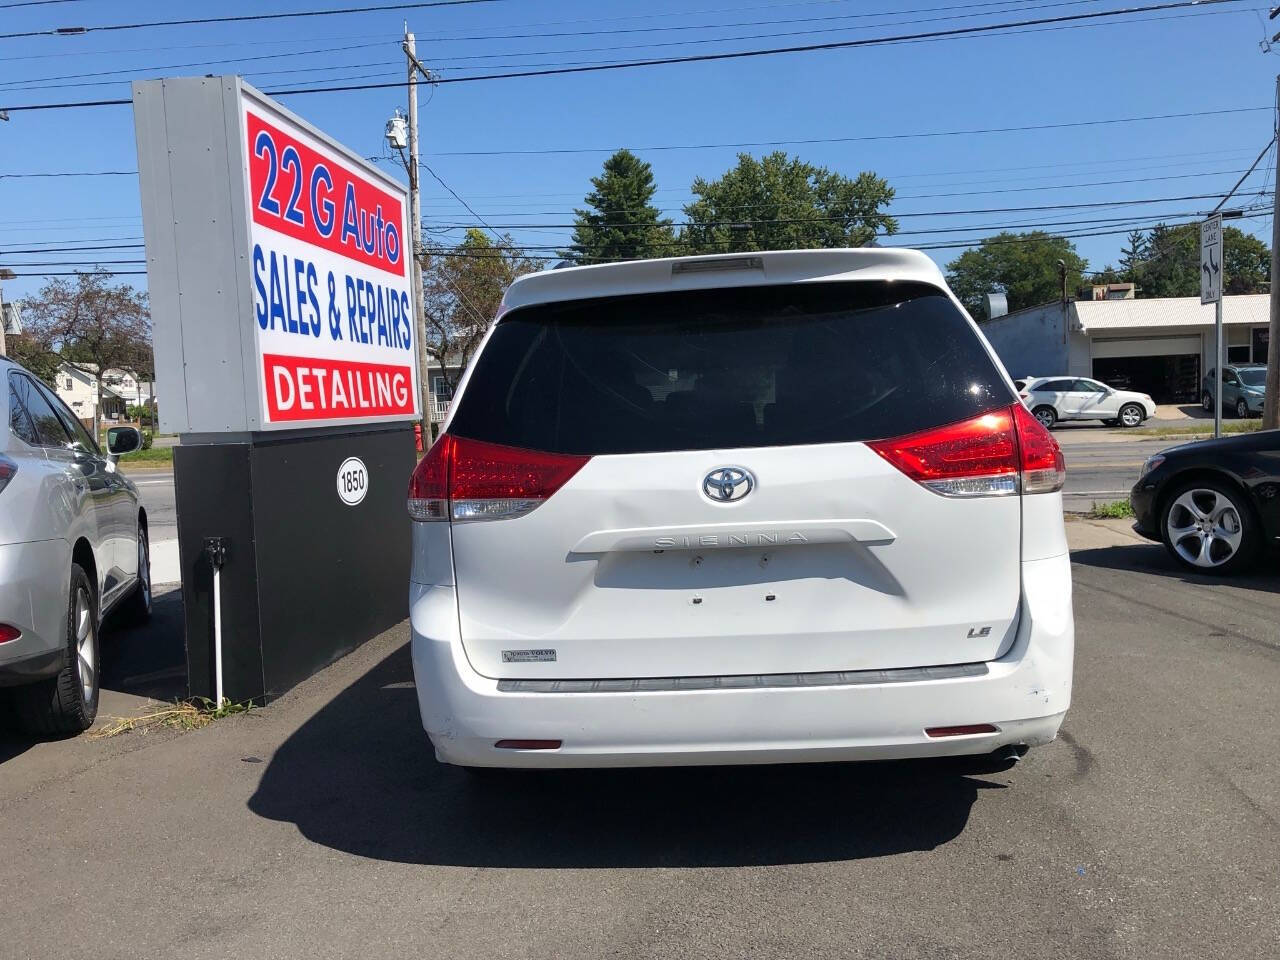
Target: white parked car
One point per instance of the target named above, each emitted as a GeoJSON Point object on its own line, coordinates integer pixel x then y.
{"type": "Point", "coordinates": [1052, 399]}
{"type": "Point", "coordinates": [748, 509]}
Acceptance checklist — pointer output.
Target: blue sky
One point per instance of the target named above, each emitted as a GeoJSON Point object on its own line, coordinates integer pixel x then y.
{"type": "Point", "coordinates": [1173, 62]}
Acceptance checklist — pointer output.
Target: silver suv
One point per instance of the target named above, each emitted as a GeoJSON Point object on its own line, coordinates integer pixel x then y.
{"type": "Point", "coordinates": [73, 546]}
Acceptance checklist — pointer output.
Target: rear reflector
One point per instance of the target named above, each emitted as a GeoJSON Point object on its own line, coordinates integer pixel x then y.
{"type": "Point", "coordinates": [8, 633]}
{"type": "Point", "coordinates": [462, 479]}
{"type": "Point", "coordinates": [528, 744]}
{"type": "Point", "coordinates": [991, 455]}
{"type": "Point", "coordinates": [965, 731]}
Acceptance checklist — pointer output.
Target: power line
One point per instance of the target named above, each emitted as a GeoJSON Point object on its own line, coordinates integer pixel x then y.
{"type": "Point", "coordinates": [952, 32]}
{"type": "Point", "coordinates": [972, 131]}
{"type": "Point", "coordinates": [35, 3]}
{"type": "Point", "coordinates": [540, 53]}
{"type": "Point", "coordinates": [1245, 176]}
{"type": "Point", "coordinates": [242, 18]}
{"type": "Point", "coordinates": [1210, 156]}
{"type": "Point", "coordinates": [918, 196]}
{"type": "Point", "coordinates": [81, 54]}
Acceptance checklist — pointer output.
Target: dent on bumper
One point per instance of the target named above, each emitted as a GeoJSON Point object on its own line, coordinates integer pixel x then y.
{"type": "Point", "coordinates": [1025, 694]}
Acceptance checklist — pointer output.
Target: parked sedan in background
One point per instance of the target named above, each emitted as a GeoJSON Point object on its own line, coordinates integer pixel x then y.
{"type": "Point", "coordinates": [1243, 389]}
{"type": "Point", "coordinates": [1052, 399]}
{"type": "Point", "coordinates": [73, 545]}
{"type": "Point", "coordinates": [1215, 504]}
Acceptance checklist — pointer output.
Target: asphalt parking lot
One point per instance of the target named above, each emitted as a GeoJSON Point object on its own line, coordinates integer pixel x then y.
{"type": "Point", "coordinates": [322, 826]}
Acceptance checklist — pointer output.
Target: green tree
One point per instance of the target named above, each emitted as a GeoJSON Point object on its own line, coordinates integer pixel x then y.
{"type": "Point", "coordinates": [34, 355]}
{"type": "Point", "coordinates": [463, 289]}
{"type": "Point", "coordinates": [782, 203]}
{"type": "Point", "coordinates": [622, 222]}
{"type": "Point", "coordinates": [1132, 256]}
{"type": "Point", "coordinates": [1171, 266]}
{"type": "Point", "coordinates": [1022, 265]}
{"type": "Point", "coordinates": [93, 324]}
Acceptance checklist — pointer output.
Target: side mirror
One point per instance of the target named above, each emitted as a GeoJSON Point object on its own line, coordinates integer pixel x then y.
{"type": "Point", "coordinates": [121, 440]}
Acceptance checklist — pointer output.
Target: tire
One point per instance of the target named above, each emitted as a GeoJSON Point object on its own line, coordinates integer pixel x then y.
{"type": "Point", "coordinates": [1209, 511]}
{"type": "Point", "coordinates": [68, 703]}
{"type": "Point", "coordinates": [1131, 415]}
{"type": "Point", "coordinates": [1242, 409]}
{"type": "Point", "coordinates": [137, 609]}
{"type": "Point", "coordinates": [1206, 402]}
{"type": "Point", "coordinates": [1046, 415]}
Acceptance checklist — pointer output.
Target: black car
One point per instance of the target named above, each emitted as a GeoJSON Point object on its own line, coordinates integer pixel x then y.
{"type": "Point", "coordinates": [1215, 504]}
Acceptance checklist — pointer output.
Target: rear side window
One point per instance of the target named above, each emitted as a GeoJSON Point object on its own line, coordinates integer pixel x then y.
{"type": "Point", "coordinates": [49, 430]}
{"type": "Point", "coordinates": [19, 422]}
{"type": "Point", "coordinates": [741, 367]}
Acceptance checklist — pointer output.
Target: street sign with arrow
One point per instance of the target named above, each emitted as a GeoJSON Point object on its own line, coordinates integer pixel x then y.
{"type": "Point", "coordinates": [1211, 260]}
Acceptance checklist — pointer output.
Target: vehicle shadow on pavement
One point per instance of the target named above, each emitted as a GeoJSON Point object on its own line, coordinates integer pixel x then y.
{"type": "Point", "coordinates": [1154, 559]}
{"type": "Point", "coordinates": [360, 777]}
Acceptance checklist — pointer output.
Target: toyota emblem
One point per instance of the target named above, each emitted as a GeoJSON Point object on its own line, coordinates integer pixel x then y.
{"type": "Point", "coordinates": [727, 484]}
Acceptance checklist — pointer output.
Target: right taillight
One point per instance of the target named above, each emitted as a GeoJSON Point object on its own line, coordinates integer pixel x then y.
{"type": "Point", "coordinates": [7, 469]}
{"type": "Point", "coordinates": [1043, 468]}
{"type": "Point", "coordinates": [991, 455]}
{"type": "Point", "coordinates": [462, 479]}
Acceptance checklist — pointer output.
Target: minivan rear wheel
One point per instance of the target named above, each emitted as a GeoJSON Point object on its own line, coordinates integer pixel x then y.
{"type": "Point", "coordinates": [68, 703]}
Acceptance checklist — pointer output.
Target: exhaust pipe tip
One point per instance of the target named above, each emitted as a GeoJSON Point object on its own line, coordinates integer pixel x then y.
{"type": "Point", "coordinates": [1012, 753]}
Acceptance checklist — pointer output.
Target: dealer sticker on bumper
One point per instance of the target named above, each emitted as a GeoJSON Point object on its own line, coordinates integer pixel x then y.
{"type": "Point", "coordinates": [528, 656]}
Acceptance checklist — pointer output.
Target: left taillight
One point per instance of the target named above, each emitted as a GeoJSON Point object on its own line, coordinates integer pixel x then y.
{"type": "Point", "coordinates": [7, 470]}
{"type": "Point", "coordinates": [991, 455]}
{"type": "Point", "coordinates": [461, 479]}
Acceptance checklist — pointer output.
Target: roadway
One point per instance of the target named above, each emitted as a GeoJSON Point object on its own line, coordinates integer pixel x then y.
{"type": "Point", "coordinates": [321, 826]}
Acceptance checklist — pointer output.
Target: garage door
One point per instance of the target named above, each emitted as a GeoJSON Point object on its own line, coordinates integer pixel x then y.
{"type": "Point", "coordinates": [1168, 379]}
{"type": "Point", "coordinates": [1146, 347]}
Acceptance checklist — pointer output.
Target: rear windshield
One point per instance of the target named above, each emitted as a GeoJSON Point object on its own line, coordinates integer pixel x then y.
{"type": "Point", "coordinates": [741, 367]}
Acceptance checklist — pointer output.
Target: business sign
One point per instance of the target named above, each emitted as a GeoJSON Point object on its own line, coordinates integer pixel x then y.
{"type": "Point", "coordinates": [1211, 260]}
{"type": "Point", "coordinates": [279, 264]}
{"type": "Point", "coordinates": [332, 294]}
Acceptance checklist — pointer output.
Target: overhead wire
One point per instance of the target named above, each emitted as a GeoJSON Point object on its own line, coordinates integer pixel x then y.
{"type": "Point", "coordinates": [953, 32]}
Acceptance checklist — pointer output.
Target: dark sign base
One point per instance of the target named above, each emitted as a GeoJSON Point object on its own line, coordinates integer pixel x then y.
{"type": "Point", "coordinates": [306, 577]}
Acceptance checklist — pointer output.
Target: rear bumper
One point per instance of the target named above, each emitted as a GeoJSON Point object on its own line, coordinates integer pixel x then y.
{"type": "Point", "coordinates": [34, 583]}
{"type": "Point", "coordinates": [1025, 694]}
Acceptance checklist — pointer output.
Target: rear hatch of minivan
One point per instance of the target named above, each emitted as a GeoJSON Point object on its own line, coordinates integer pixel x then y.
{"type": "Point", "coordinates": [797, 478]}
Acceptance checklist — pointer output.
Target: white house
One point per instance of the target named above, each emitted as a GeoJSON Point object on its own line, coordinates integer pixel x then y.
{"type": "Point", "coordinates": [76, 386]}
{"type": "Point", "coordinates": [1162, 346]}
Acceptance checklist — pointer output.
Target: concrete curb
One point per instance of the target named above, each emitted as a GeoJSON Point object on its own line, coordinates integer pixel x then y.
{"type": "Point", "coordinates": [165, 567]}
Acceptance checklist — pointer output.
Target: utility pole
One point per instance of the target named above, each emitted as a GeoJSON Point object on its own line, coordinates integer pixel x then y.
{"type": "Point", "coordinates": [4, 275]}
{"type": "Point", "coordinates": [1271, 409]}
{"type": "Point", "coordinates": [415, 226]}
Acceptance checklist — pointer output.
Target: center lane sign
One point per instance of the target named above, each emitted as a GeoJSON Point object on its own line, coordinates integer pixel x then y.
{"type": "Point", "coordinates": [332, 294]}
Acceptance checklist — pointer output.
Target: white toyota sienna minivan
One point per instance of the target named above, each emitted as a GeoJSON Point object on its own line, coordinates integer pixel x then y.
{"type": "Point", "coordinates": [757, 508]}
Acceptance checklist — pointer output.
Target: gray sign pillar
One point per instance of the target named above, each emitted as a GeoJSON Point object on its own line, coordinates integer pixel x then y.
{"type": "Point", "coordinates": [281, 295]}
